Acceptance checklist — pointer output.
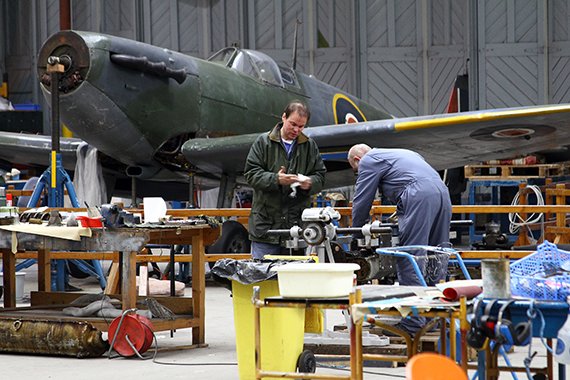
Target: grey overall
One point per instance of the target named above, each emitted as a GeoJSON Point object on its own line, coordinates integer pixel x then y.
{"type": "Point", "coordinates": [423, 206]}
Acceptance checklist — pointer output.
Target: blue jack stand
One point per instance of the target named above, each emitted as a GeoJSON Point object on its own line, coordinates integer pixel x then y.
{"type": "Point", "coordinates": [55, 185]}
{"type": "Point", "coordinates": [55, 179]}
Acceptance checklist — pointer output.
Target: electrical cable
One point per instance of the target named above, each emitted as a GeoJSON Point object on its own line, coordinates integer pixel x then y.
{"type": "Point", "coordinates": [192, 364]}
{"type": "Point", "coordinates": [531, 314]}
{"type": "Point", "coordinates": [344, 368]}
{"type": "Point", "coordinates": [516, 221]}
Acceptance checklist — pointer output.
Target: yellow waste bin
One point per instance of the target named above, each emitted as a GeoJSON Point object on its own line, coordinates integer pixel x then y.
{"type": "Point", "coordinates": [314, 318]}
{"type": "Point", "coordinates": [282, 331]}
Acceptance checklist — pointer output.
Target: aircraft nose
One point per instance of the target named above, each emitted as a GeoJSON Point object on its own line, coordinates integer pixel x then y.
{"type": "Point", "coordinates": [73, 52]}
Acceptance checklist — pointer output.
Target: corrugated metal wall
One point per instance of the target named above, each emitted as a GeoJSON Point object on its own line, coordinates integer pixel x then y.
{"type": "Point", "coordinates": [400, 54]}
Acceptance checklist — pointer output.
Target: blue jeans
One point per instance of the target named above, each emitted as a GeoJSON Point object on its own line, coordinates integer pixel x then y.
{"type": "Point", "coordinates": [258, 249]}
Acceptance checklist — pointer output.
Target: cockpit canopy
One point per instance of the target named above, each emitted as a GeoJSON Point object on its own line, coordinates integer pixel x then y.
{"type": "Point", "coordinates": [254, 64]}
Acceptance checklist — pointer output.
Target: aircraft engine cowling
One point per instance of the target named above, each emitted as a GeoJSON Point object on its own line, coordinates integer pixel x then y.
{"type": "Point", "coordinates": [92, 106]}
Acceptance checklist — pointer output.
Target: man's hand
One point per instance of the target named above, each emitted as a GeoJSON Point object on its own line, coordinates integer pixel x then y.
{"type": "Point", "coordinates": [286, 179]}
{"type": "Point", "coordinates": [304, 182]}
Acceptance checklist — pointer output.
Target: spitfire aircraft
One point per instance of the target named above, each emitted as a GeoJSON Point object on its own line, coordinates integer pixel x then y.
{"type": "Point", "coordinates": [160, 115]}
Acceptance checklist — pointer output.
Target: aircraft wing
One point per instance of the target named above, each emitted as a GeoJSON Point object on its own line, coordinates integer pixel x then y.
{"type": "Point", "coordinates": [445, 141]}
{"type": "Point", "coordinates": [35, 150]}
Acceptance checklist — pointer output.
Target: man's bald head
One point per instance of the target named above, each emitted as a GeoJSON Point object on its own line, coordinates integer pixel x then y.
{"type": "Point", "coordinates": [356, 153]}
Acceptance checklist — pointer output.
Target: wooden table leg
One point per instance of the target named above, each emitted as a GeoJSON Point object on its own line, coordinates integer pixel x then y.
{"type": "Point", "coordinates": [198, 288]}
{"type": "Point", "coordinates": [452, 338]}
{"type": "Point", "coordinates": [493, 366]}
{"type": "Point", "coordinates": [128, 280]}
{"type": "Point", "coordinates": [44, 270]}
{"type": "Point", "coordinates": [464, 327]}
{"type": "Point", "coordinates": [443, 337]}
{"type": "Point", "coordinates": [549, 360]}
{"type": "Point", "coordinates": [356, 359]}
{"type": "Point", "coordinates": [9, 268]}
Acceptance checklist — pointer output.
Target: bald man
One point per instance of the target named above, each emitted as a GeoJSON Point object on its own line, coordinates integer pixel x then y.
{"type": "Point", "coordinates": [422, 204]}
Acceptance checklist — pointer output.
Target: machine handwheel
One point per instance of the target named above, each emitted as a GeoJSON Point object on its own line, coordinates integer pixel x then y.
{"type": "Point", "coordinates": [307, 362]}
{"type": "Point", "coordinates": [314, 233]}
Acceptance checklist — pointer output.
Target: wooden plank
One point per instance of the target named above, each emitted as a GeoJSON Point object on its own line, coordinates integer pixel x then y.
{"type": "Point", "coordinates": [71, 255]}
{"type": "Point", "coordinates": [113, 279]}
{"type": "Point", "coordinates": [346, 211]}
{"type": "Point", "coordinates": [143, 280]}
{"type": "Point", "coordinates": [178, 305]}
{"type": "Point", "coordinates": [559, 191]}
{"type": "Point", "coordinates": [514, 171]}
{"type": "Point", "coordinates": [158, 324]}
{"type": "Point", "coordinates": [180, 322]}
{"type": "Point", "coordinates": [494, 254]}
{"type": "Point", "coordinates": [511, 209]}
{"type": "Point", "coordinates": [182, 258]}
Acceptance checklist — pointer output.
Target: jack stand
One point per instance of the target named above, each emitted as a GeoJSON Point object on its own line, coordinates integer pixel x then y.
{"type": "Point", "coordinates": [55, 187]}
{"type": "Point", "coordinates": [55, 178]}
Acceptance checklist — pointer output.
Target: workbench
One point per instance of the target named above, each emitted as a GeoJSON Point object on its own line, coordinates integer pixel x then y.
{"type": "Point", "coordinates": [127, 242]}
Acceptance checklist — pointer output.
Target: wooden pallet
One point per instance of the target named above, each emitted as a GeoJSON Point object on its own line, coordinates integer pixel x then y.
{"type": "Point", "coordinates": [490, 172]}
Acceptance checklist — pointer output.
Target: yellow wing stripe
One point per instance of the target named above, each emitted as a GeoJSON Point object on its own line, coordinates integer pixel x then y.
{"type": "Point", "coordinates": [483, 116]}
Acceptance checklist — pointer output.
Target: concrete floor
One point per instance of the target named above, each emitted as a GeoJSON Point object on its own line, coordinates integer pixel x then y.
{"type": "Point", "coordinates": [217, 361]}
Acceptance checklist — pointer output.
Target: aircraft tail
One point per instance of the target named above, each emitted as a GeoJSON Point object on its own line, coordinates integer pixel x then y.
{"type": "Point", "coordinates": [459, 97]}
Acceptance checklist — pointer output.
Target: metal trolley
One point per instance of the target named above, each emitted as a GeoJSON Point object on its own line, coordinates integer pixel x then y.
{"type": "Point", "coordinates": [357, 357]}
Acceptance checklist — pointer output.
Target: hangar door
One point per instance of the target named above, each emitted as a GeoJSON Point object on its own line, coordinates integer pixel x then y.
{"type": "Point", "coordinates": [524, 52]}
{"type": "Point", "coordinates": [512, 61]}
{"type": "Point", "coordinates": [325, 36]}
{"type": "Point", "coordinates": [559, 52]}
{"type": "Point", "coordinates": [411, 53]}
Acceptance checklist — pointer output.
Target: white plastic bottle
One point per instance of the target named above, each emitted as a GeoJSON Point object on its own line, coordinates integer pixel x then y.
{"type": "Point", "coordinates": [562, 352]}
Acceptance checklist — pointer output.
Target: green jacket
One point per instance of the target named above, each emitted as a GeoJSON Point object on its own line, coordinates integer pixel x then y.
{"type": "Point", "coordinates": [272, 207]}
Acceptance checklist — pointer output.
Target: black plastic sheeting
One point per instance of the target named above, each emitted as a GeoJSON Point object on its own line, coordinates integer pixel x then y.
{"type": "Point", "coordinates": [247, 271]}
{"type": "Point", "coordinates": [436, 268]}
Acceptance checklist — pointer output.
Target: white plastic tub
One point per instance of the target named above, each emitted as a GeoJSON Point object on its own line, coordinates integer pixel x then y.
{"type": "Point", "coordinates": [20, 279]}
{"type": "Point", "coordinates": [306, 280]}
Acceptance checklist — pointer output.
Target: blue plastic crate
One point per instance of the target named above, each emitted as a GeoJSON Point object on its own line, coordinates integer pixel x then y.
{"type": "Point", "coordinates": [540, 276]}
{"type": "Point", "coordinates": [27, 107]}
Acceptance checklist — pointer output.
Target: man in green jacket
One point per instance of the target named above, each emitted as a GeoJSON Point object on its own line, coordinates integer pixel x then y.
{"type": "Point", "coordinates": [284, 168]}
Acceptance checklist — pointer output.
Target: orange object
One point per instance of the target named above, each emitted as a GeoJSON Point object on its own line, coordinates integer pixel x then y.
{"type": "Point", "coordinates": [432, 366]}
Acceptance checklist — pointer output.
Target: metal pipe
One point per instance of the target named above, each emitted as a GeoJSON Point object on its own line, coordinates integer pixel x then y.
{"type": "Point", "coordinates": [64, 14]}
{"type": "Point", "coordinates": [407, 256]}
{"type": "Point", "coordinates": [133, 192]}
{"type": "Point", "coordinates": [191, 203]}
{"type": "Point", "coordinates": [375, 230]}
{"type": "Point", "coordinates": [55, 111]}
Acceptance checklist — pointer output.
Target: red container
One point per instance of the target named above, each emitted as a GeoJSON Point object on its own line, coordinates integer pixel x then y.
{"type": "Point", "coordinates": [90, 222]}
